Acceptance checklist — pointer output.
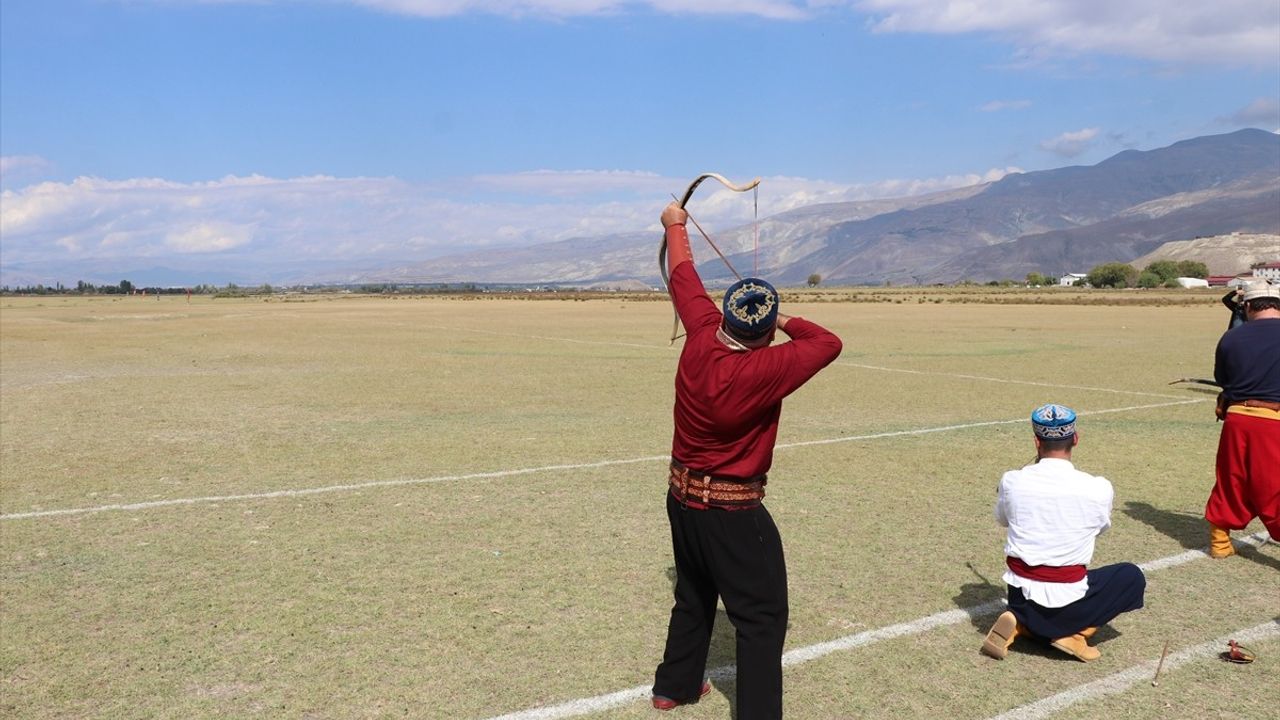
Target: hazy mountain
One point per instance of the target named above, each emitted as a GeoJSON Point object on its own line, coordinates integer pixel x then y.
{"type": "Point", "coordinates": [1064, 220]}
{"type": "Point", "coordinates": [1068, 219]}
{"type": "Point", "coordinates": [1132, 233]}
{"type": "Point", "coordinates": [783, 237]}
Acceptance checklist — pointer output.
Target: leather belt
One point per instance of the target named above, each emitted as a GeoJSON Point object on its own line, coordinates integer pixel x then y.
{"type": "Point", "coordinates": [701, 491]}
{"type": "Point", "coordinates": [1265, 404]}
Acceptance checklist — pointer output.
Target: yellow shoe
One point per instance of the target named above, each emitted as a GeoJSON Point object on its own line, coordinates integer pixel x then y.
{"type": "Point", "coordinates": [1220, 542]}
{"type": "Point", "coordinates": [1077, 647]}
{"type": "Point", "coordinates": [1087, 632]}
{"type": "Point", "coordinates": [1002, 634]}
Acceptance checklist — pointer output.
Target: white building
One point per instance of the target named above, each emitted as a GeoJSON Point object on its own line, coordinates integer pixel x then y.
{"type": "Point", "coordinates": [1071, 279]}
{"type": "Point", "coordinates": [1269, 271]}
{"type": "Point", "coordinates": [1190, 282]}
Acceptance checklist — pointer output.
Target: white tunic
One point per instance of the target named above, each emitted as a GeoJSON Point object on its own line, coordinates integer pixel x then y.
{"type": "Point", "coordinates": [1053, 513]}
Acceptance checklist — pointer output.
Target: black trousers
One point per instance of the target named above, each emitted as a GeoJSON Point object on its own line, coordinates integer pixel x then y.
{"type": "Point", "coordinates": [1113, 589]}
{"type": "Point", "coordinates": [735, 556]}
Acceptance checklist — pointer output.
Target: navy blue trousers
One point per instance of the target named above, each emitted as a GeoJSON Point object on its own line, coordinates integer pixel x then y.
{"type": "Point", "coordinates": [735, 556]}
{"type": "Point", "coordinates": [1113, 590]}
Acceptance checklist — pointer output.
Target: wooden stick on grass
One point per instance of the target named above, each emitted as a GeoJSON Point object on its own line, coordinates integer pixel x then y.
{"type": "Point", "coordinates": [1155, 681]}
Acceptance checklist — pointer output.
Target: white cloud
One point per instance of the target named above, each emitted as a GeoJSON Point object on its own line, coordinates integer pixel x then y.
{"type": "Point", "coordinates": [785, 193]}
{"type": "Point", "coordinates": [998, 105]}
{"type": "Point", "coordinates": [208, 237]}
{"type": "Point", "coordinates": [21, 169]}
{"type": "Point", "coordinates": [1261, 112]}
{"type": "Point", "coordinates": [1234, 32]}
{"type": "Point", "coordinates": [773, 9]}
{"type": "Point", "coordinates": [19, 163]}
{"type": "Point", "coordinates": [1071, 144]}
{"type": "Point", "coordinates": [262, 223]}
{"type": "Point", "coordinates": [1230, 32]}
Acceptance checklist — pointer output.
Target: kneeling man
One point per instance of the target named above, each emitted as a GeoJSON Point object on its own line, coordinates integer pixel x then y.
{"type": "Point", "coordinates": [1053, 513]}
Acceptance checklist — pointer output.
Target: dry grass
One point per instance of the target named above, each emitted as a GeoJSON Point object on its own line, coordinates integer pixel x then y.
{"type": "Point", "coordinates": [469, 598]}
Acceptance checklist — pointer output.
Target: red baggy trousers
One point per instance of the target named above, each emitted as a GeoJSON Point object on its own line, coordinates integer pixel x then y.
{"type": "Point", "coordinates": [1248, 472]}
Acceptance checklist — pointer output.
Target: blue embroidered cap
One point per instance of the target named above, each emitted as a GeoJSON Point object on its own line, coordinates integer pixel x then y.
{"type": "Point", "coordinates": [1053, 422]}
{"type": "Point", "coordinates": [750, 308]}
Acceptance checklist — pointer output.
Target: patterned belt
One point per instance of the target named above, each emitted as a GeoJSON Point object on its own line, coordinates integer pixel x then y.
{"type": "Point", "coordinates": [700, 491]}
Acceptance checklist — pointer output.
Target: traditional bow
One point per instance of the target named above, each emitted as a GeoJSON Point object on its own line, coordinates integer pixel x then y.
{"type": "Point", "coordinates": [662, 248]}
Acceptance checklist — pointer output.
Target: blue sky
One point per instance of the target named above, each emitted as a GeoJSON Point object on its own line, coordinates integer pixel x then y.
{"type": "Point", "coordinates": [263, 133]}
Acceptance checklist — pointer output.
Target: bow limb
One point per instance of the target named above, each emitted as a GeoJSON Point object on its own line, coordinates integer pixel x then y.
{"type": "Point", "coordinates": [684, 200]}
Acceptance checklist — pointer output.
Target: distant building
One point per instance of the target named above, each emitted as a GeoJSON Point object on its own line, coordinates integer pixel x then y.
{"type": "Point", "coordinates": [1220, 280]}
{"type": "Point", "coordinates": [1071, 279]}
{"type": "Point", "coordinates": [1190, 282]}
{"type": "Point", "coordinates": [1268, 271]}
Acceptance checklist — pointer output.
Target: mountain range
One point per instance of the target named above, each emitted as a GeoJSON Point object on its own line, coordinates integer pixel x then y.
{"type": "Point", "coordinates": [1052, 221]}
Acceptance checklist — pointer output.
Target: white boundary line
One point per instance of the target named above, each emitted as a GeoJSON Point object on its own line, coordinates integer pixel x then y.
{"type": "Point", "coordinates": [1121, 681]}
{"type": "Point", "coordinates": [576, 341]}
{"type": "Point", "coordinates": [844, 363]}
{"type": "Point", "coordinates": [1007, 381]}
{"type": "Point", "coordinates": [585, 706]}
{"type": "Point", "coordinates": [147, 505]}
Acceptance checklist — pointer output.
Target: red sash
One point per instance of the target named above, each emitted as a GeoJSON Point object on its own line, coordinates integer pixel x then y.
{"type": "Point", "coordinates": [1046, 573]}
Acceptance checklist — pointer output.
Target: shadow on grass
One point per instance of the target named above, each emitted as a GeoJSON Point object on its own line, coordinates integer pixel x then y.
{"type": "Point", "coordinates": [1252, 553]}
{"type": "Point", "coordinates": [1201, 389]}
{"type": "Point", "coordinates": [1191, 531]}
{"type": "Point", "coordinates": [980, 600]}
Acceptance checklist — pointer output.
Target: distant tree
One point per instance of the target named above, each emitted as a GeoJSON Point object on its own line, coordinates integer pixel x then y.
{"type": "Point", "coordinates": [1149, 279]}
{"type": "Point", "coordinates": [1112, 275]}
{"type": "Point", "coordinates": [1164, 269]}
{"type": "Point", "coordinates": [126, 287]}
{"type": "Point", "coordinates": [1193, 268]}
{"type": "Point", "coordinates": [814, 279]}
{"type": "Point", "coordinates": [1035, 278]}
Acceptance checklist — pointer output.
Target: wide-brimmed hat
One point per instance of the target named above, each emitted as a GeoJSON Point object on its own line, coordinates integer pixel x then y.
{"type": "Point", "coordinates": [1260, 289]}
{"type": "Point", "coordinates": [750, 309]}
{"type": "Point", "coordinates": [1053, 422]}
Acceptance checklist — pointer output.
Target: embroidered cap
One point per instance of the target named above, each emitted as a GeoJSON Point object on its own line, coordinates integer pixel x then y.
{"type": "Point", "coordinates": [1053, 422]}
{"type": "Point", "coordinates": [750, 308]}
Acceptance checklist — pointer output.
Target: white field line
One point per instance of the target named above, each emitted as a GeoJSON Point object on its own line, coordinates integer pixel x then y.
{"type": "Point", "coordinates": [1007, 381]}
{"type": "Point", "coordinates": [150, 504]}
{"type": "Point", "coordinates": [844, 363]}
{"type": "Point", "coordinates": [585, 706]}
{"type": "Point", "coordinates": [1121, 681]}
{"type": "Point", "coordinates": [575, 341]}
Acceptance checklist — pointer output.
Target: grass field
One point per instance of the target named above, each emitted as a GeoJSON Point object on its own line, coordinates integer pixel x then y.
{"type": "Point", "coordinates": [443, 508]}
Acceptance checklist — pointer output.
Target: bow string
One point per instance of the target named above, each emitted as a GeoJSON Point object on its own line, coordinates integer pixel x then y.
{"type": "Point", "coordinates": [662, 248]}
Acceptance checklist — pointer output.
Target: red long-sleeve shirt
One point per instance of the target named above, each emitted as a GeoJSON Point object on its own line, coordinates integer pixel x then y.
{"type": "Point", "coordinates": [728, 401]}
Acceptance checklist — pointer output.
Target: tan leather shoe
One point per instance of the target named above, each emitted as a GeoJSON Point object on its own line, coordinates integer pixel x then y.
{"type": "Point", "coordinates": [1087, 632]}
{"type": "Point", "coordinates": [1077, 647]}
{"type": "Point", "coordinates": [1002, 635]}
{"type": "Point", "coordinates": [1220, 542]}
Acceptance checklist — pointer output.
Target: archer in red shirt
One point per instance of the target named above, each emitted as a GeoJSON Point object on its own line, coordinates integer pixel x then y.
{"type": "Point", "coordinates": [729, 386]}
